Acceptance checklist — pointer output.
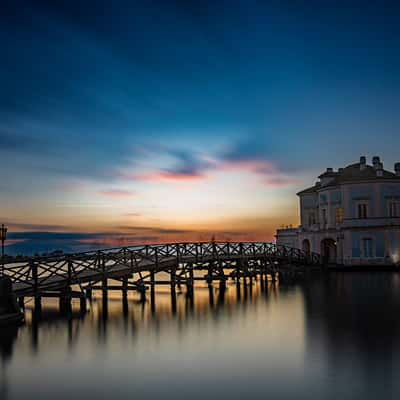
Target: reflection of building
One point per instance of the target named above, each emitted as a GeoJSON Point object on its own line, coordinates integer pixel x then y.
{"type": "Point", "coordinates": [352, 333]}
{"type": "Point", "coordinates": [351, 216]}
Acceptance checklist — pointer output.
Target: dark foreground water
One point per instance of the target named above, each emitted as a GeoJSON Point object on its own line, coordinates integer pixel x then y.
{"type": "Point", "coordinates": [327, 338]}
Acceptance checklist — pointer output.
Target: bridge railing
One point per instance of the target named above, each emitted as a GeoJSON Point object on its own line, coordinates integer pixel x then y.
{"type": "Point", "coordinates": [45, 270]}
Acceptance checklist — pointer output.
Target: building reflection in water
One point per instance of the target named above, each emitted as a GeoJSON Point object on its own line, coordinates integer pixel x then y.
{"type": "Point", "coordinates": [353, 325]}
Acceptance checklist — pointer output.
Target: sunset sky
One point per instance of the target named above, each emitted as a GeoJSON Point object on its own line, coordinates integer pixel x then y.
{"type": "Point", "coordinates": [124, 122]}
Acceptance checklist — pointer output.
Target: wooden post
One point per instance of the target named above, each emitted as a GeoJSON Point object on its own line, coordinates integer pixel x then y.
{"type": "Point", "coordinates": [89, 293]}
{"type": "Point", "coordinates": [173, 290]}
{"type": "Point", "coordinates": [221, 294]}
{"type": "Point", "coordinates": [83, 303]}
{"type": "Point", "coordinates": [173, 278]}
{"type": "Point", "coordinates": [211, 295]}
{"type": "Point", "coordinates": [35, 276]}
{"type": "Point", "coordinates": [189, 282]}
{"type": "Point", "coordinates": [142, 291]}
{"type": "Point", "coordinates": [152, 287]}
{"type": "Point", "coordinates": [238, 289]}
{"type": "Point", "coordinates": [124, 287]}
{"type": "Point", "coordinates": [273, 272]}
{"type": "Point", "coordinates": [38, 305]}
{"type": "Point", "coordinates": [69, 271]}
{"type": "Point", "coordinates": [104, 280]}
{"type": "Point", "coordinates": [262, 284]}
{"type": "Point", "coordinates": [173, 301]}
{"type": "Point", "coordinates": [65, 300]}
{"type": "Point", "coordinates": [125, 307]}
{"type": "Point", "coordinates": [21, 303]}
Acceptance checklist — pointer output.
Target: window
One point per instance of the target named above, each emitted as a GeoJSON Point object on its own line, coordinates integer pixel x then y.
{"type": "Point", "coordinates": [311, 219]}
{"type": "Point", "coordinates": [394, 208]}
{"type": "Point", "coordinates": [323, 199]}
{"type": "Point", "coordinates": [324, 217]}
{"type": "Point", "coordinates": [339, 215]}
{"type": "Point", "coordinates": [362, 210]}
{"type": "Point", "coordinates": [367, 248]}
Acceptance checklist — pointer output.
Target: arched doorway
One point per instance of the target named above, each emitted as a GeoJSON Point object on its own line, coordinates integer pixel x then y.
{"type": "Point", "coordinates": [328, 251]}
{"type": "Point", "coordinates": [306, 247]}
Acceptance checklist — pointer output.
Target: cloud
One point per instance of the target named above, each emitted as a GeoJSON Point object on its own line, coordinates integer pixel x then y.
{"type": "Point", "coordinates": [117, 193]}
{"type": "Point", "coordinates": [170, 176]}
{"type": "Point", "coordinates": [191, 167]}
{"type": "Point", "coordinates": [154, 230]}
{"type": "Point", "coordinates": [35, 227]}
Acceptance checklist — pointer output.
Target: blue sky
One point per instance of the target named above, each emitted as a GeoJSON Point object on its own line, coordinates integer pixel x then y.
{"type": "Point", "coordinates": [193, 116]}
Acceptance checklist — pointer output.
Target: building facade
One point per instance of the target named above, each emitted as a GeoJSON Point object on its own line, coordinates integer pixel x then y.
{"type": "Point", "coordinates": [350, 216]}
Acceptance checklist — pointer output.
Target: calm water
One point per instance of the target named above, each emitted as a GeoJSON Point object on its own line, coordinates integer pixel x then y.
{"type": "Point", "coordinates": [328, 338]}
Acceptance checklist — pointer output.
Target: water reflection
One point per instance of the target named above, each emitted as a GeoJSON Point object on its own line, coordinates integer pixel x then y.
{"type": "Point", "coordinates": [352, 321]}
{"type": "Point", "coordinates": [329, 337]}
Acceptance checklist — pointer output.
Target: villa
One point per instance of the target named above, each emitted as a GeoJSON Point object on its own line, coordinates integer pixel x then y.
{"type": "Point", "coordinates": [350, 216]}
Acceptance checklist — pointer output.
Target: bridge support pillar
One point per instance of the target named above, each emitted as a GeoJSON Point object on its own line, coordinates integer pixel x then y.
{"type": "Point", "coordinates": [190, 283]}
{"type": "Point", "coordinates": [21, 302]}
{"type": "Point", "coordinates": [173, 290]}
{"type": "Point", "coordinates": [262, 283]}
{"type": "Point", "coordinates": [65, 301]}
{"type": "Point", "coordinates": [211, 295]}
{"type": "Point", "coordinates": [104, 288]}
{"type": "Point", "coordinates": [273, 273]}
{"type": "Point", "coordinates": [142, 291]}
{"type": "Point", "coordinates": [124, 287]}
{"type": "Point", "coordinates": [238, 289]}
{"type": "Point", "coordinates": [82, 300]}
{"type": "Point", "coordinates": [38, 304]}
{"type": "Point", "coordinates": [152, 287]}
{"type": "Point", "coordinates": [125, 307]}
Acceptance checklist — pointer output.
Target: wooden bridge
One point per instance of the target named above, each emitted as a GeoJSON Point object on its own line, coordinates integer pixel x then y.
{"type": "Point", "coordinates": [139, 268]}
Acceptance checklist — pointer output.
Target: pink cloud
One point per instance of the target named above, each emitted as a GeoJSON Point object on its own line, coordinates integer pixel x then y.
{"type": "Point", "coordinates": [171, 176]}
{"type": "Point", "coordinates": [117, 193]}
{"type": "Point", "coordinates": [268, 173]}
{"type": "Point", "coordinates": [266, 170]}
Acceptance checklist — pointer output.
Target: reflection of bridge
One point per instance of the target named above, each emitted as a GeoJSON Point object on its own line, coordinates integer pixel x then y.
{"type": "Point", "coordinates": [137, 268]}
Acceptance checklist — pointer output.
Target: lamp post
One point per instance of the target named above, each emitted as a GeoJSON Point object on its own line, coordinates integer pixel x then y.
{"type": "Point", "coordinates": [3, 237]}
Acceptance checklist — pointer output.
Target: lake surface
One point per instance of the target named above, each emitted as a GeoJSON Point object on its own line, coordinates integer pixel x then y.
{"type": "Point", "coordinates": [334, 336]}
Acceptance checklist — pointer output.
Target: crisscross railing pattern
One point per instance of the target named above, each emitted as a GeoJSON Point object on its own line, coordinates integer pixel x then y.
{"type": "Point", "coordinates": [52, 272]}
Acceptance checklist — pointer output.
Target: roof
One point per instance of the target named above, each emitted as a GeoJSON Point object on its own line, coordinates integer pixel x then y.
{"type": "Point", "coordinates": [352, 173]}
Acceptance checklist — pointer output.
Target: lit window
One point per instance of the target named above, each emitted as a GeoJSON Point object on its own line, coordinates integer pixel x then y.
{"type": "Point", "coordinates": [362, 210]}
{"type": "Point", "coordinates": [367, 248]}
{"type": "Point", "coordinates": [339, 215]}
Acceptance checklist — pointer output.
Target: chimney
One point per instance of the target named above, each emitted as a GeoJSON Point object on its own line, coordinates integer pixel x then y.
{"type": "Point", "coordinates": [329, 170]}
{"type": "Point", "coordinates": [363, 162]}
{"type": "Point", "coordinates": [397, 168]}
{"type": "Point", "coordinates": [375, 161]}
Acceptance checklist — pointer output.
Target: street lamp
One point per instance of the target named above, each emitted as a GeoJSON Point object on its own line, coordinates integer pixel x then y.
{"type": "Point", "coordinates": [3, 237]}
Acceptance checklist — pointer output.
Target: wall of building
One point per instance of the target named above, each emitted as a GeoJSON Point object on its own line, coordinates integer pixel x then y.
{"type": "Point", "coordinates": [383, 229]}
